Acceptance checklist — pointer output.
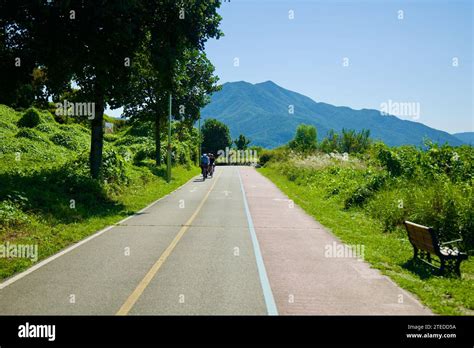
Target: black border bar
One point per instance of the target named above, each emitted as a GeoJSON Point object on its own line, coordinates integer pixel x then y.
{"type": "Point", "coordinates": [290, 330]}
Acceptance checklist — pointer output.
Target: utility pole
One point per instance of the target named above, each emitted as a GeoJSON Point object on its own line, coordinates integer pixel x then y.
{"type": "Point", "coordinates": [200, 140]}
{"type": "Point", "coordinates": [168, 176]}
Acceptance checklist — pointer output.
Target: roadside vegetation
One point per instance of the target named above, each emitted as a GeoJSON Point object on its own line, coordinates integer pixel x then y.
{"type": "Point", "coordinates": [47, 196]}
{"type": "Point", "coordinates": [364, 190]}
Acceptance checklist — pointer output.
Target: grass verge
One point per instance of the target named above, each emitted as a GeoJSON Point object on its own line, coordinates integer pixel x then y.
{"type": "Point", "coordinates": [53, 233]}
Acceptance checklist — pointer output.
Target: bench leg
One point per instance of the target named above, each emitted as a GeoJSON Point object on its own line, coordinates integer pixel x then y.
{"type": "Point", "coordinates": [415, 253]}
{"type": "Point", "coordinates": [443, 264]}
{"type": "Point", "coordinates": [457, 267]}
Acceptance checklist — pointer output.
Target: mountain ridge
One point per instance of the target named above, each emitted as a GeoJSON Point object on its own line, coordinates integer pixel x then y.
{"type": "Point", "coordinates": [269, 114]}
{"type": "Point", "coordinates": [467, 137]}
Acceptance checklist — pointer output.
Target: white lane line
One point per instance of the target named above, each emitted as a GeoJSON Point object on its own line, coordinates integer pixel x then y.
{"type": "Point", "coordinates": [78, 244]}
{"type": "Point", "coordinates": [267, 290]}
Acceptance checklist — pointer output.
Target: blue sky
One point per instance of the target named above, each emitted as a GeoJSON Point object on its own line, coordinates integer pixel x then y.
{"type": "Point", "coordinates": [402, 60]}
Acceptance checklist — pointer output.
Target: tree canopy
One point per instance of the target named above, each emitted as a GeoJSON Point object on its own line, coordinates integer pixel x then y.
{"type": "Point", "coordinates": [242, 142]}
{"type": "Point", "coordinates": [305, 138]}
{"type": "Point", "coordinates": [94, 44]}
{"type": "Point", "coordinates": [215, 136]}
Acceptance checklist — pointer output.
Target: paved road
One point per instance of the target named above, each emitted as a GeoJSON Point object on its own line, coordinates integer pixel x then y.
{"type": "Point", "coordinates": [207, 248]}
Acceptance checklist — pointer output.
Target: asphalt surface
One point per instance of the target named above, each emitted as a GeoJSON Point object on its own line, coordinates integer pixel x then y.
{"type": "Point", "coordinates": [207, 248]}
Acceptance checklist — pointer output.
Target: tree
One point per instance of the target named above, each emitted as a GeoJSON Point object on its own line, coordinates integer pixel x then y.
{"type": "Point", "coordinates": [331, 142]}
{"type": "Point", "coordinates": [93, 42]}
{"type": "Point", "coordinates": [88, 43]}
{"type": "Point", "coordinates": [348, 141]}
{"type": "Point", "coordinates": [17, 60]}
{"type": "Point", "coordinates": [352, 141]}
{"type": "Point", "coordinates": [242, 142]}
{"type": "Point", "coordinates": [305, 139]}
{"type": "Point", "coordinates": [178, 32]}
{"type": "Point", "coordinates": [215, 135]}
{"type": "Point", "coordinates": [147, 101]}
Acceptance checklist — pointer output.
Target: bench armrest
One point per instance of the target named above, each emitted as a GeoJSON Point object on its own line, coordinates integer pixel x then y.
{"type": "Point", "coordinates": [452, 241]}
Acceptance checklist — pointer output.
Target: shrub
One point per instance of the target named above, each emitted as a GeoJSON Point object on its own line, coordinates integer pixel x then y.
{"type": "Point", "coordinates": [276, 155]}
{"type": "Point", "coordinates": [30, 119]}
{"type": "Point", "coordinates": [46, 128]}
{"type": "Point", "coordinates": [110, 138]}
{"type": "Point", "coordinates": [389, 159]}
{"type": "Point", "coordinates": [31, 134]}
{"type": "Point", "coordinates": [11, 215]}
{"type": "Point", "coordinates": [365, 191]}
{"type": "Point", "coordinates": [64, 139]}
{"type": "Point", "coordinates": [141, 129]}
{"type": "Point", "coordinates": [143, 152]}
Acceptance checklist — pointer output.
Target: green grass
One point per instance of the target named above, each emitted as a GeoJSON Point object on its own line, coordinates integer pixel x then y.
{"type": "Point", "coordinates": [51, 234]}
{"type": "Point", "coordinates": [391, 253]}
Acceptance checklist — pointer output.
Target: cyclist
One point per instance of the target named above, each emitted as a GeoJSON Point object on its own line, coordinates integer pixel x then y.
{"type": "Point", "coordinates": [204, 165]}
{"type": "Point", "coordinates": [212, 164]}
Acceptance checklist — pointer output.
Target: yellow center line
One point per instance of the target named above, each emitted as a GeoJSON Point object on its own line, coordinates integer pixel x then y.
{"type": "Point", "coordinates": [133, 298]}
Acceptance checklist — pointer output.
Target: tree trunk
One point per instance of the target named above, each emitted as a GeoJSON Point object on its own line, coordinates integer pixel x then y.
{"type": "Point", "coordinates": [157, 139]}
{"type": "Point", "coordinates": [97, 136]}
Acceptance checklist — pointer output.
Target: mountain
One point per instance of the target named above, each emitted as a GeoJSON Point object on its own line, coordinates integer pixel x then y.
{"type": "Point", "coordinates": [467, 137]}
{"type": "Point", "coordinates": [261, 112]}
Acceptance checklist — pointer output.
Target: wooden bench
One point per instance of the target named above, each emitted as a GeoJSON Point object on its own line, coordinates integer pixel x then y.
{"type": "Point", "coordinates": [425, 243]}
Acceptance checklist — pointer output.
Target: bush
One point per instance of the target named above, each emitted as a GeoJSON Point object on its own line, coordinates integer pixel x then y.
{"type": "Point", "coordinates": [30, 119]}
{"type": "Point", "coordinates": [31, 134]}
{"type": "Point", "coordinates": [64, 139]}
{"type": "Point", "coordinates": [141, 129]}
{"type": "Point", "coordinates": [276, 155]}
{"type": "Point", "coordinates": [128, 140]}
{"type": "Point", "coordinates": [110, 138]}
{"type": "Point", "coordinates": [46, 128]}
{"type": "Point", "coordinates": [143, 152]}
{"type": "Point", "coordinates": [365, 191]}
{"type": "Point", "coordinates": [389, 159]}
{"type": "Point", "coordinates": [11, 215]}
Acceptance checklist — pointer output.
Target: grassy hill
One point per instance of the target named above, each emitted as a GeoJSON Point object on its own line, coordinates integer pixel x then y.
{"type": "Point", "coordinates": [261, 112]}
{"type": "Point", "coordinates": [47, 197]}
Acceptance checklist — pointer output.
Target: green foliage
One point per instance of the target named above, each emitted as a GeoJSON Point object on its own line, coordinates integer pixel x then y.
{"type": "Point", "coordinates": [142, 152]}
{"type": "Point", "coordinates": [305, 139]}
{"type": "Point", "coordinates": [242, 142]}
{"type": "Point", "coordinates": [390, 160]}
{"type": "Point", "coordinates": [11, 215]}
{"type": "Point", "coordinates": [114, 166]}
{"type": "Point", "coordinates": [46, 128]}
{"type": "Point", "coordinates": [431, 186]}
{"type": "Point", "coordinates": [31, 134]}
{"type": "Point", "coordinates": [456, 163]}
{"type": "Point", "coordinates": [30, 119]}
{"type": "Point", "coordinates": [64, 139]}
{"type": "Point", "coordinates": [275, 155]}
{"type": "Point", "coordinates": [215, 135]}
{"type": "Point", "coordinates": [370, 185]}
{"type": "Point", "coordinates": [349, 141]}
